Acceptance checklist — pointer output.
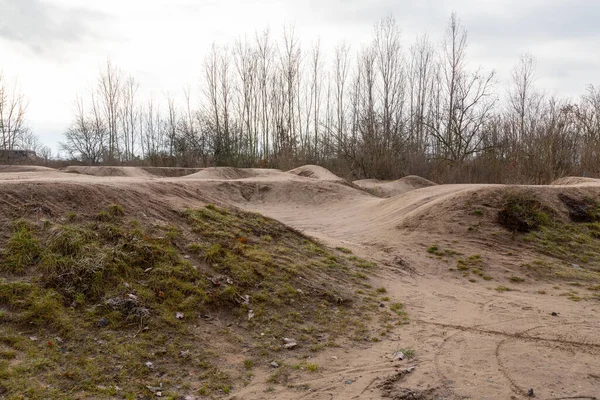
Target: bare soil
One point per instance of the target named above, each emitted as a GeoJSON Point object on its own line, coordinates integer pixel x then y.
{"type": "Point", "coordinates": [488, 335]}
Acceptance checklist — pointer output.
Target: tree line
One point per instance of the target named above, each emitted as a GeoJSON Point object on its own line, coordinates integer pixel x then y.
{"type": "Point", "coordinates": [382, 111]}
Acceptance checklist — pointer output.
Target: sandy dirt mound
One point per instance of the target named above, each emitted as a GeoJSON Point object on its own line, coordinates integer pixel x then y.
{"type": "Point", "coordinates": [134, 172]}
{"type": "Point", "coordinates": [575, 180]}
{"type": "Point", "coordinates": [388, 189]}
{"type": "Point", "coordinates": [23, 168]}
{"type": "Point", "coordinates": [472, 324]}
{"type": "Point", "coordinates": [315, 172]}
{"type": "Point", "coordinates": [170, 172]}
{"type": "Point", "coordinates": [230, 173]}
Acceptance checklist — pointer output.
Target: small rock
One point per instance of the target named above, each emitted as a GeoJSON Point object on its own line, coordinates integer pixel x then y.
{"type": "Point", "coordinates": [59, 340]}
{"type": "Point", "coordinates": [158, 394]}
{"type": "Point", "coordinates": [381, 305]}
{"type": "Point", "coordinates": [554, 314]}
{"type": "Point", "coordinates": [102, 322]}
{"type": "Point", "coordinates": [274, 365]}
{"type": "Point", "coordinates": [348, 382]}
{"type": "Point", "coordinates": [289, 343]}
{"type": "Point", "coordinates": [33, 338]}
{"type": "Point", "coordinates": [186, 257]}
{"type": "Point", "coordinates": [300, 291]}
{"type": "Point", "coordinates": [132, 296]}
{"type": "Point", "coordinates": [531, 393]}
{"type": "Point", "coordinates": [185, 354]}
{"type": "Point", "coordinates": [149, 364]}
{"type": "Point", "coordinates": [179, 315]}
{"type": "Point", "coordinates": [576, 266]}
{"type": "Point", "coordinates": [334, 357]}
{"type": "Point", "coordinates": [410, 369]}
{"type": "Point", "coordinates": [126, 284]}
{"type": "Point", "coordinates": [250, 314]}
{"type": "Point", "coordinates": [148, 270]}
{"type": "Point", "coordinates": [398, 356]}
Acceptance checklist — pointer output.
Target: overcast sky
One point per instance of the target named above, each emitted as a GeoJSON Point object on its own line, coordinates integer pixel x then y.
{"type": "Point", "coordinates": [56, 47]}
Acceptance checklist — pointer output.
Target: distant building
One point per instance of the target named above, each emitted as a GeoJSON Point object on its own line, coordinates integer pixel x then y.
{"type": "Point", "coordinates": [18, 157]}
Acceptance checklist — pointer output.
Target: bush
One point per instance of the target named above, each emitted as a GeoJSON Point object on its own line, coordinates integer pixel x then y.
{"type": "Point", "coordinates": [523, 212]}
{"type": "Point", "coordinates": [581, 210]}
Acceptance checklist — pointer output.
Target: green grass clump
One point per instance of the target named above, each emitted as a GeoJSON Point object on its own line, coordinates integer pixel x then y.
{"type": "Point", "coordinates": [521, 211]}
{"type": "Point", "coordinates": [503, 289]}
{"type": "Point", "coordinates": [312, 367]}
{"type": "Point", "coordinates": [433, 249]}
{"type": "Point", "coordinates": [21, 250]}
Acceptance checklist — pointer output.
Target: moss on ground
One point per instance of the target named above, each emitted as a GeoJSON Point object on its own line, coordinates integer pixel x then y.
{"type": "Point", "coordinates": [102, 306]}
{"type": "Point", "coordinates": [571, 242]}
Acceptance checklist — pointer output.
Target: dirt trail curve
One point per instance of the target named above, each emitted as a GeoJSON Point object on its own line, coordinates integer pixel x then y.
{"type": "Point", "coordinates": [469, 340]}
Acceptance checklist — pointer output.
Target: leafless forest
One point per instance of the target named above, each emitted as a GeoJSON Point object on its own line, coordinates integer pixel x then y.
{"type": "Point", "coordinates": [383, 111]}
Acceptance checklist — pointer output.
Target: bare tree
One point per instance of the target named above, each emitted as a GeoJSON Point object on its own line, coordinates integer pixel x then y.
{"type": "Point", "coordinates": [13, 108]}
{"type": "Point", "coordinates": [468, 99]}
{"type": "Point", "coordinates": [341, 67]}
{"type": "Point", "coordinates": [109, 88]}
{"type": "Point", "coordinates": [129, 117]}
{"type": "Point", "coordinates": [84, 139]}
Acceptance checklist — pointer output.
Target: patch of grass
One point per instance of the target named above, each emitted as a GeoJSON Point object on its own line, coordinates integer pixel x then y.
{"type": "Point", "coordinates": [435, 250]}
{"type": "Point", "coordinates": [364, 264]}
{"type": "Point", "coordinates": [473, 261]}
{"type": "Point", "coordinates": [516, 279]}
{"type": "Point", "coordinates": [381, 290]}
{"type": "Point", "coordinates": [573, 297]}
{"type": "Point", "coordinates": [522, 211]}
{"type": "Point", "coordinates": [408, 353]}
{"type": "Point", "coordinates": [21, 250]}
{"type": "Point", "coordinates": [502, 289]}
{"type": "Point", "coordinates": [344, 250]}
{"type": "Point", "coordinates": [111, 289]}
{"type": "Point", "coordinates": [311, 367]}
{"type": "Point", "coordinates": [71, 216]}
{"type": "Point", "coordinates": [478, 212]}
{"type": "Point", "coordinates": [398, 308]}
{"type": "Point", "coordinates": [560, 270]}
